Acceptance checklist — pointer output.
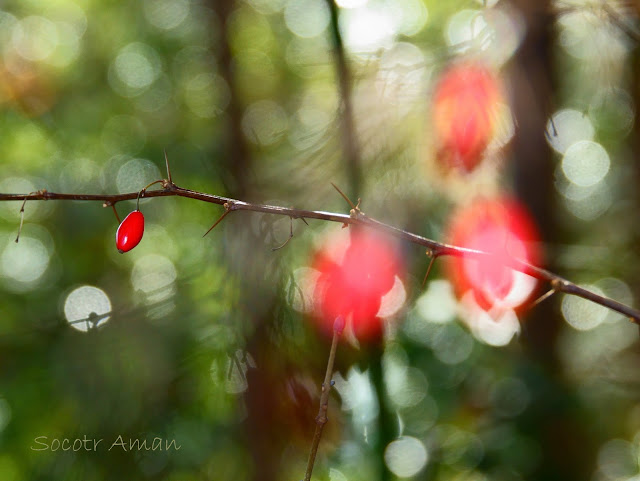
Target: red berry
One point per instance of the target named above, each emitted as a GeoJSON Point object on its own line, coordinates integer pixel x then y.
{"type": "Point", "coordinates": [502, 227]}
{"type": "Point", "coordinates": [130, 231]}
{"type": "Point", "coordinates": [464, 113]}
{"type": "Point", "coordinates": [353, 286]}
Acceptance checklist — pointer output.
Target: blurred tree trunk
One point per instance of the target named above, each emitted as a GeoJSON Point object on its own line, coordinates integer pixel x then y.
{"type": "Point", "coordinates": [553, 419]}
{"type": "Point", "coordinates": [532, 80]}
{"type": "Point", "coordinates": [634, 144]}
{"type": "Point", "coordinates": [350, 147]}
{"type": "Point", "coordinates": [237, 153]}
{"type": "Point", "coordinates": [253, 315]}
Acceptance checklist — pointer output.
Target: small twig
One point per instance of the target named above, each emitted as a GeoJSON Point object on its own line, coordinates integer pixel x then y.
{"type": "Point", "coordinates": [273, 249]}
{"type": "Point", "coordinates": [553, 126]}
{"type": "Point", "coordinates": [24, 203]}
{"type": "Point", "coordinates": [113, 206]}
{"type": "Point", "coordinates": [21, 220]}
{"type": "Point", "coordinates": [92, 320]}
{"type": "Point", "coordinates": [234, 361]}
{"type": "Point", "coordinates": [321, 418]}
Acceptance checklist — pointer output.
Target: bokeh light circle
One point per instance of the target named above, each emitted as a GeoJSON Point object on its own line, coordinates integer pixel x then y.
{"type": "Point", "coordinates": [154, 274]}
{"type": "Point", "coordinates": [406, 456]}
{"type": "Point", "coordinates": [136, 174]}
{"type": "Point", "coordinates": [438, 304]}
{"type": "Point", "coordinates": [306, 18]}
{"type": "Point", "coordinates": [264, 122]}
{"type": "Point", "coordinates": [86, 307]}
{"type": "Point", "coordinates": [24, 264]}
{"type": "Point", "coordinates": [585, 163]}
{"type": "Point", "coordinates": [582, 314]}
{"type": "Point", "coordinates": [464, 28]}
{"type": "Point", "coordinates": [134, 69]}
{"type": "Point", "coordinates": [166, 14]}
{"type": "Point", "coordinates": [367, 29]}
{"type": "Point", "coordinates": [566, 127]}
{"type": "Point", "coordinates": [35, 38]}
{"type": "Point", "coordinates": [80, 176]}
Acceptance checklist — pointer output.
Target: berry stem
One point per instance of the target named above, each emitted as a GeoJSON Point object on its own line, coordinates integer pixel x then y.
{"type": "Point", "coordinates": [142, 192]}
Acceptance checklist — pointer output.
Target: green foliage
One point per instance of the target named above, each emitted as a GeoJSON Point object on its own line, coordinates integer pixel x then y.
{"type": "Point", "coordinates": [207, 341]}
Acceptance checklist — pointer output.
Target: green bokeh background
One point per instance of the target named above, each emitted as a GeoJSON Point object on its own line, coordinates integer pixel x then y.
{"type": "Point", "coordinates": [203, 343]}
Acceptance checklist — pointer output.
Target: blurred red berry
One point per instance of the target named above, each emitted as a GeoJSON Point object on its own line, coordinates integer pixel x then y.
{"type": "Point", "coordinates": [464, 111]}
{"type": "Point", "coordinates": [501, 227]}
{"type": "Point", "coordinates": [354, 285]}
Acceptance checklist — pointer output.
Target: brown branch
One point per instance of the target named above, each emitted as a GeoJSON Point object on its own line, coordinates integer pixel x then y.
{"type": "Point", "coordinates": [321, 418]}
{"type": "Point", "coordinates": [438, 249]}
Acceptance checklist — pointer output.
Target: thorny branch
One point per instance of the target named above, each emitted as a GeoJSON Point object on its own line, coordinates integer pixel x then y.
{"type": "Point", "coordinates": [355, 217]}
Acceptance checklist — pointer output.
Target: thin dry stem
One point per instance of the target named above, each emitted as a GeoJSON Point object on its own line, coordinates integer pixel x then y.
{"type": "Point", "coordinates": [116, 213]}
{"type": "Point", "coordinates": [321, 418]}
{"type": "Point", "coordinates": [273, 249]}
{"type": "Point", "coordinates": [21, 220]}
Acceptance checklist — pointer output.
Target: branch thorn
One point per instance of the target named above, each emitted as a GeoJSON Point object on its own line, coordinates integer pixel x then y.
{"type": "Point", "coordinates": [433, 255]}
{"type": "Point", "coordinates": [544, 297]}
{"type": "Point", "coordinates": [356, 210]}
{"type": "Point", "coordinates": [227, 210]}
{"type": "Point", "coordinates": [166, 161]}
{"type": "Point", "coordinates": [344, 196]}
